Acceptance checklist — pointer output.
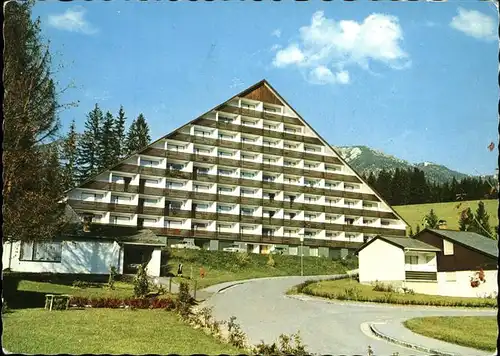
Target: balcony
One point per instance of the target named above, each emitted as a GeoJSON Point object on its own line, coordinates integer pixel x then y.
{"type": "Point", "coordinates": [223, 198]}
{"type": "Point", "coordinates": [229, 144]}
{"type": "Point", "coordinates": [175, 173]}
{"type": "Point", "coordinates": [266, 167]}
{"type": "Point", "coordinates": [151, 151]}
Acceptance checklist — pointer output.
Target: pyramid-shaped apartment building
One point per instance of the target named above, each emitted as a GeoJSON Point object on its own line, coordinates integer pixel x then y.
{"type": "Point", "coordinates": [250, 172]}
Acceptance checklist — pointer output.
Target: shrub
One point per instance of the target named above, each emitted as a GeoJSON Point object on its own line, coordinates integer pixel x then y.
{"type": "Point", "coordinates": [80, 284]}
{"type": "Point", "coordinates": [135, 303]}
{"type": "Point", "coordinates": [141, 282]}
{"type": "Point", "coordinates": [112, 277]}
{"type": "Point", "coordinates": [381, 287]}
{"type": "Point", "coordinates": [288, 345]}
{"type": "Point", "coordinates": [236, 335]}
{"type": "Point", "coordinates": [184, 301]}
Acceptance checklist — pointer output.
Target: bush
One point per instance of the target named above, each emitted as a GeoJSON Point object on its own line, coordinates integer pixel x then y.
{"type": "Point", "coordinates": [81, 284]}
{"type": "Point", "coordinates": [112, 277]}
{"type": "Point", "coordinates": [184, 301]}
{"type": "Point", "coordinates": [381, 287]}
{"type": "Point", "coordinates": [114, 303]}
{"type": "Point", "coordinates": [236, 336]}
{"type": "Point", "coordinates": [270, 261]}
{"type": "Point", "coordinates": [288, 345]}
{"type": "Point", "coordinates": [141, 282]}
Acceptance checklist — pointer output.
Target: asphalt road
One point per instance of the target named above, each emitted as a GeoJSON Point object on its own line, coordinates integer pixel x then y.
{"type": "Point", "coordinates": [326, 327]}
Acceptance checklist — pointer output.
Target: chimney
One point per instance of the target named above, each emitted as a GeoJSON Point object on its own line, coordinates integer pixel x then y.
{"type": "Point", "coordinates": [442, 225]}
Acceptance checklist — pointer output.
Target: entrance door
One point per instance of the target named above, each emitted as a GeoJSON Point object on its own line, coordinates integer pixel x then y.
{"type": "Point", "coordinates": [134, 256]}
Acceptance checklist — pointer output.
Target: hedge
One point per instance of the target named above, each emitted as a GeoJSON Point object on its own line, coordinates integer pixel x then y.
{"type": "Point", "coordinates": [138, 303]}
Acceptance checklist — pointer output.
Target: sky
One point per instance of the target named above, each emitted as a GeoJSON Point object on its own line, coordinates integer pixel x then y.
{"type": "Point", "coordinates": [417, 80]}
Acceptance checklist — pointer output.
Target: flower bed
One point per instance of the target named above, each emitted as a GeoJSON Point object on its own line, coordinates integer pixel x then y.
{"type": "Point", "coordinates": [114, 303]}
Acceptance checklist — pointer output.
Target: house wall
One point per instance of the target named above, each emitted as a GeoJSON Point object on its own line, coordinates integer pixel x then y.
{"type": "Point", "coordinates": [381, 261]}
{"type": "Point", "coordinates": [457, 284]}
{"type": "Point", "coordinates": [154, 264]}
{"type": "Point", "coordinates": [423, 287]}
{"type": "Point", "coordinates": [463, 259]}
{"type": "Point", "coordinates": [93, 257]}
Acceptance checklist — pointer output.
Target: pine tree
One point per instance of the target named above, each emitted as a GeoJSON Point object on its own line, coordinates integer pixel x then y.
{"type": "Point", "coordinates": [30, 164]}
{"type": "Point", "coordinates": [431, 220]}
{"type": "Point", "coordinates": [481, 221]}
{"type": "Point", "coordinates": [418, 229]}
{"type": "Point", "coordinates": [138, 135]}
{"type": "Point", "coordinates": [466, 220]}
{"type": "Point", "coordinates": [69, 156]}
{"type": "Point", "coordinates": [120, 144]}
{"type": "Point", "coordinates": [384, 186]}
{"type": "Point", "coordinates": [89, 148]}
{"type": "Point", "coordinates": [107, 142]}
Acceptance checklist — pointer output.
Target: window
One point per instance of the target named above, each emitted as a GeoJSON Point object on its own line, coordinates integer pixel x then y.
{"type": "Point", "coordinates": [450, 276]}
{"type": "Point", "coordinates": [175, 185]}
{"type": "Point", "coordinates": [246, 211]}
{"type": "Point", "coordinates": [91, 197]}
{"type": "Point", "coordinates": [226, 120]}
{"type": "Point", "coordinates": [201, 170]}
{"type": "Point", "coordinates": [225, 190]}
{"type": "Point", "coordinates": [201, 207]}
{"type": "Point", "coordinates": [310, 217]}
{"type": "Point", "coordinates": [247, 174]}
{"type": "Point", "coordinates": [349, 221]}
{"type": "Point", "coordinates": [268, 232]}
{"type": "Point", "coordinates": [119, 219]}
{"type": "Point", "coordinates": [225, 154]}
{"type": "Point", "coordinates": [411, 260]}
{"type": "Point", "coordinates": [41, 251]}
{"type": "Point", "coordinates": [248, 139]}
{"type": "Point", "coordinates": [224, 172]}
{"type": "Point", "coordinates": [224, 208]}
{"type": "Point", "coordinates": [117, 179]}
{"type": "Point", "coordinates": [119, 199]}
{"type": "Point", "coordinates": [176, 148]}
{"type": "Point", "coordinates": [247, 229]}
{"type": "Point", "coordinates": [148, 163]}
{"type": "Point", "coordinates": [151, 182]}
{"type": "Point", "coordinates": [173, 223]}
{"type": "Point", "coordinates": [248, 123]}
{"type": "Point", "coordinates": [225, 137]}
{"type": "Point", "coordinates": [313, 251]}
{"type": "Point", "coordinates": [293, 251]}
{"type": "Point", "coordinates": [447, 248]}
{"type": "Point", "coordinates": [247, 192]}
{"type": "Point", "coordinates": [201, 151]}
{"type": "Point", "coordinates": [248, 158]}
{"type": "Point", "coordinates": [149, 221]}
{"type": "Point", "coordinates": [269, 179]}
{"type": "Point", "coordinates": [248, 106]}
{"type": "Point", "coordinates": [202, 133]}
{"type": "Point", "coordinates": [150, 202]}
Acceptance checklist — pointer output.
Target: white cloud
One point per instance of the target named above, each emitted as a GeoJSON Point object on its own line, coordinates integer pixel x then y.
{"type": "Point", "coordinates": [323, 75]}
{"type": "Point", "coordinates": [475, 24]}
{"type": "Point", "coordinates": [326, 43]}
{"type": "Point", "coordinates": [276, 33]}
{"type": "Point", "coordinates": [290, 55]}
{"type": "Point", "coordinates": [72, 20]}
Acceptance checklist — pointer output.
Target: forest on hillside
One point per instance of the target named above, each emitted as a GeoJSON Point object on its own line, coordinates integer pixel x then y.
{"type": "Point", "coordinates": [404, 187]}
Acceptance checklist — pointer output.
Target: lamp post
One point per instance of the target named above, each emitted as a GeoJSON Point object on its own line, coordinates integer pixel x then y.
{"type": "Point", "coordinates": [301, 255]}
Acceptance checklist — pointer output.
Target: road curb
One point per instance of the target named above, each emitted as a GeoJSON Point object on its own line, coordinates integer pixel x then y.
{"type": "Point", "coordinates": [407, 344]}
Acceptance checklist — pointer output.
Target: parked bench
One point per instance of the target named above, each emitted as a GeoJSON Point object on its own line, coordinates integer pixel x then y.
{"type": "Point", "coordinates": [49, 300]}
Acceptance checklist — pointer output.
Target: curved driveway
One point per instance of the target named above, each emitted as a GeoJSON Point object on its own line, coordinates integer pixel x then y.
{"type": "Point", "coordinates": [264, 312]}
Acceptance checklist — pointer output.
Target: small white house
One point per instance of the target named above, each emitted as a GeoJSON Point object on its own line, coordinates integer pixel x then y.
{"type": "Point", "coordinates": [82, 255]}
{"type": "Point", "coordinates": [435, 261]}
{"type": "Point", "coordinates": [399, 261]}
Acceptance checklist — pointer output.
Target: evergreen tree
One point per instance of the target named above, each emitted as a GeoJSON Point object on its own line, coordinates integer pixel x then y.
{"type": "Point", "coordinates": [466, 221]}
{"type": "Point", "coordinates": [89, 158]}
{"type": "Point", "coordinates": [120, 149]}
{"type": "Point", "coordinates": [107, 142]}
{"type": "Point", "coordinates": [69, 156]}
{"type": "Point", "coordinates": [371, 180]}
{"type": "Point", "coordinates": [431, 220]}
{"type": "Point", "coordinates": [138, 135]}
{"type": "Point", "coordinates": [384, 186]}
{"type": "Point", "coordinates": [411, 232]}
{"type": "Point", "coordinates": [30, 163]}
{"type": "Point", "coordinates": [418, 229]}
{"type": "Point", "coordinates": [481, 221]}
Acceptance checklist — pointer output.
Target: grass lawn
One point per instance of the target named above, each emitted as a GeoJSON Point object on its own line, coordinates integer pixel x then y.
{"type": "Point", "coordinates": [101, 331]}
{"type": "Point", "coordinates": [227, 266]}
{"type": "Point", "coordinates": [470, 331]}
{"type": "Point", "coordinates": [450, 212]}
{"type": "Point", "coordinates": [122, 290]}
{"type": "Point", "coordinates": [350, 289]}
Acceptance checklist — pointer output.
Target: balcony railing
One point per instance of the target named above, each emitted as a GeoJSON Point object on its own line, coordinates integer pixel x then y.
{"type": "Point", "coordinates": [420, 276]}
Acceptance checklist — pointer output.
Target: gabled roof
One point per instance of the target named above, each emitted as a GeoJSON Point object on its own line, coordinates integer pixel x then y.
{"type": "Point", "coordinates": [470, 240]}
{"type": "Point", "coordinates": [405, 243]}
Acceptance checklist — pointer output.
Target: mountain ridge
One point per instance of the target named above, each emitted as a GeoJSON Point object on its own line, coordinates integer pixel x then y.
{"type": "Point", "coordinates": [365, 160]}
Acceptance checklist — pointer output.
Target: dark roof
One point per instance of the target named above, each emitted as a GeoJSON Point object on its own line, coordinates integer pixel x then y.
{"type": "Point", "coordinates": [406, 243]}
{"type": "Point", "coordinates": [470, 240]}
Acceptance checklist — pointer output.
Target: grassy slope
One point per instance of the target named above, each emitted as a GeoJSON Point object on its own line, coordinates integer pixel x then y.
{"type": "Point", "coordinates": [332, 289]}
{"type": "Point", "coordinates": [470, 331]}
{"type": "Point", "coordinates": [101, 331]}
{"type": "Point", "coordinates": [226, 266]}
{"type": "Point", "coordinates": [450, 212]}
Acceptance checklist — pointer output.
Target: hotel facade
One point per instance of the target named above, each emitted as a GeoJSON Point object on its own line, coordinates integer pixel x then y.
{"type": "Point", "coordinates": [249, 172]}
